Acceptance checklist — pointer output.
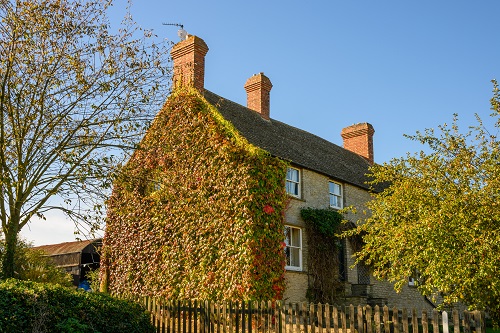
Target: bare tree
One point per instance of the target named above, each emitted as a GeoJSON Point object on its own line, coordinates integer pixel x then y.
{"type": "Point", "coordinates": [73, 97]}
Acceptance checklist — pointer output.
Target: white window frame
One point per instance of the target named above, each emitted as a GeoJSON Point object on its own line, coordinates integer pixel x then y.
{"type": "Point", "coordinates": [339, 197]}
{"type": "Point", "coordinates": [293, 182]}
{"type": "Point", "coordinates": [294, 246]}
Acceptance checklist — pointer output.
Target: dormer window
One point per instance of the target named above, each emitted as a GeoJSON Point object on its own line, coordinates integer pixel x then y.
{"type": "Point", "coordinates": [335, 190]}
{"type": "Point", "coordinates": [293, 182]}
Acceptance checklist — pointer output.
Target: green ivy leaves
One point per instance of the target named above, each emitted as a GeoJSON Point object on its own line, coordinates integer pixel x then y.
{"type": "Point", "coordinates": [197, 211]}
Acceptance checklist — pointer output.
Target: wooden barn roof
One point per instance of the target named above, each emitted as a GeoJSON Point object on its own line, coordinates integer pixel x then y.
{"type": "Point", "coordinates": [66, 248]}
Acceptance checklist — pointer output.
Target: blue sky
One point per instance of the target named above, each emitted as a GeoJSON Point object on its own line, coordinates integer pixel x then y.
{"type": "Point", "coordinates": [402, 66]}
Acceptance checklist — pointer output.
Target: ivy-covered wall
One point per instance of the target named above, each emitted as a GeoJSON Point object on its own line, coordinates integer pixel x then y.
{"type": "Point", "coordinates": [197, 212]}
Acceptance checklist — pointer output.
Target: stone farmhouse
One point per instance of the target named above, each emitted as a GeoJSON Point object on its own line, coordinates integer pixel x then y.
{"type": "Point", "coordinates": [318, 174]}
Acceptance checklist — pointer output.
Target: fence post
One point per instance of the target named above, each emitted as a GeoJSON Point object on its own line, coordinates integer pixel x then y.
{"type": "Point", "coordinates": [478, 321]}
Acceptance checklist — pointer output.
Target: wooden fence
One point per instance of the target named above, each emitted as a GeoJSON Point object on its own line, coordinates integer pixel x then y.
{"type": "Point", "coordinates": [253, 317]}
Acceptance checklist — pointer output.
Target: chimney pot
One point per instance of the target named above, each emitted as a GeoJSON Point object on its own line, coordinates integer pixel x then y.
{"type": "Point", "coordinates": [189, 62]}
{"type": "Point", "coordinates": [258, 88]}
{"type": "Point", "coordinates": [358, 138]}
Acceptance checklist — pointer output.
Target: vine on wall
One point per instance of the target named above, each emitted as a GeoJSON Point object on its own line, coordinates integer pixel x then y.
{"type": "Point", "coordinates": [197, 212]}
{"type": "Point", "coordinates": [324, 246]}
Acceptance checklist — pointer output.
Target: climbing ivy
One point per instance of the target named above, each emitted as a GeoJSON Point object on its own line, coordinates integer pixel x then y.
{"type": "Point", "coordinates": [322, 227]}
{"type": "Point", "coordinates": [197, 213]}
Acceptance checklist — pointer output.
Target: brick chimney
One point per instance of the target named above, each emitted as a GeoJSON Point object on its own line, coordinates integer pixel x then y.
{"type": "Point", "coordinates": [189, 62]}
{"type": "Point", "coordinates": [358, 138]}
{"type": "Point", "coordinates": [258, 89]}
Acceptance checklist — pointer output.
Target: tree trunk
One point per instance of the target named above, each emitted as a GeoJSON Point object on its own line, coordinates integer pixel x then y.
{"type": "Point", "coordinates": [8, 265]}
{"type": "Point", "coordinates": [104, 272]}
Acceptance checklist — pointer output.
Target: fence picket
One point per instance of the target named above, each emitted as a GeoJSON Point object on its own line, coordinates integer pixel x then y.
{"type": "Point", "coordinates": [311, 318]}
{"type": "Point", "coordinates": [343, 318]}
{"type": "Point", "coordinates": [387, 323]}
{"type": "Point", "coordinates": [319, 314]}
{"type": "Point", "coordinates": [425, 324]}
{"type": "Point", "coordinates": [444, 317]}
{"type": "Point", "coordinates": [377, 319]}
{"type": "Point", "coordinates": [351, 319]}
{"type": "Point", "coordinates": [404, 320]}
{"type": "Point", "coordinates": [328, 317]}
{"type": "Point", "coordinates": [368, 313]}
{"type": "Point", "coordinates": [414, 320]}
{"type": "Point", "coordinates": [335, 320]}
{"type": "Point", "coordinates": [435, 320]}
{"type": "Point", "coordinates": [395, 319]}
{"type": "Point", "coordinates": [456, 322]}
{"type": "Point", "coordinates": [360, 320]}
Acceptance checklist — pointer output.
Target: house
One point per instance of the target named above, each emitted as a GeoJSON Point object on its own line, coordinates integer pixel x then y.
{"type": "Point", "coordinates": [76, 258]}
{"type": "Point", "coordinates": [210, 205]}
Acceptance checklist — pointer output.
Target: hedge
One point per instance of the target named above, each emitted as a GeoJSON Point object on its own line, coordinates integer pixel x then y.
{"type": "Point", "coordinates": [27, 306]}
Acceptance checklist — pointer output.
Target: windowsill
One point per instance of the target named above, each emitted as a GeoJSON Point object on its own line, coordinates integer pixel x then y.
{"type": "Point", "coordinates": [336, 208]}
{"type": "Point", "coordinates": [293, 269]}
{"type": "Point", "coordinates": [296, 198]}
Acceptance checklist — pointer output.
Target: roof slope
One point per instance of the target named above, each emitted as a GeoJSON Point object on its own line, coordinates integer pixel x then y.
{"type": "Point", "coordinates": [66, 248]}
{"type": "Point", "coordinates": [292, 144]}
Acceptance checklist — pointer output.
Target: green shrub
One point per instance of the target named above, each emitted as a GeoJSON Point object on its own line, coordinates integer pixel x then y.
{"type": "Point", "coordinates": [27, 306]}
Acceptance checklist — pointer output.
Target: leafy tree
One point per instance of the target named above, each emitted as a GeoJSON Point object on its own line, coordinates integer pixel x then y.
{"type": "Point", "coordinates": [33, 265]}
{"type": "Point", "coordinates": [439, 218]}
{"type": "Point", "coordinates": [74, 95]}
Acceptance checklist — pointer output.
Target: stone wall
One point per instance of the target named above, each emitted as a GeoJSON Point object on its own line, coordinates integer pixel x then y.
{"type": "Point", "coordinates": [314, 193]}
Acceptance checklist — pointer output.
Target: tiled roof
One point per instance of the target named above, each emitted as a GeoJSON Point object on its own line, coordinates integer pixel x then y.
{"type": "Point", "coordinates": [66, 248]}
{"type": "Point", "coordinates": [289, 143]}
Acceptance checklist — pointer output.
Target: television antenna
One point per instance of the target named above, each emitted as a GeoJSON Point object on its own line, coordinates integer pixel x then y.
{"type": "Point", "coordinates": [181, 32]}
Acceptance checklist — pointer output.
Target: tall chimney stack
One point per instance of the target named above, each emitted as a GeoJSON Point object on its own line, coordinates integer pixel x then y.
{"type": "Point", "coordinates": [189, 62]}
{"type": "Point", "coordinates": [258, 89]}
{"type": "Point", "coordinates": [358, 138]}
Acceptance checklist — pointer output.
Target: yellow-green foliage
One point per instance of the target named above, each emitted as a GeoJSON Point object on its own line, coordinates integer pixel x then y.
{"type": "Point", "coordinates": [197, 212]}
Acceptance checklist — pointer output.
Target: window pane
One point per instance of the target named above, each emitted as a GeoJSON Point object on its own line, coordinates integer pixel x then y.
{"type": "Point", "coordinates": [334, 201]}
{"type": "Point", "coordinates": [292, 174]}
{"type": "Point", "coordinates": [295, 237]}
{"type": "Point", "coordinates": [335, 188]}
{"type": "Point", "coordinates": [292, 188]}
{"type": "Point", "coordinates": [294, 257]}
{"type": "Point", "coordinates": [287, 236]}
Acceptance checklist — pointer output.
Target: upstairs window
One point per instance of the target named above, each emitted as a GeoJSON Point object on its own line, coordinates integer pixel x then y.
{"type": "Point", "coordinates": [335, 190]}
{"type": "Point", "coordinates": [293, 182]}
{"type": "Point", "coordinates": [293, 248]}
